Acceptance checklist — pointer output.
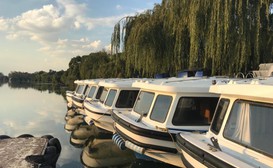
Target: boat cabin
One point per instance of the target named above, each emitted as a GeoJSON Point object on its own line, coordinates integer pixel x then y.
{"type": "Point", "coordinates": [70, 94]}
{"type": "Point", "coordinates": [163, 108]}
{"type": "Point", "coordinates": [116, 94]}
{"type": "Point", "coordinates": [241, 131]}
{"type": "Point", "coordinates": [82, 92]}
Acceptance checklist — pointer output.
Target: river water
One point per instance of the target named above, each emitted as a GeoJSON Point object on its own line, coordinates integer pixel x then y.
{"type": "Point", "coordinates": [40, 110]}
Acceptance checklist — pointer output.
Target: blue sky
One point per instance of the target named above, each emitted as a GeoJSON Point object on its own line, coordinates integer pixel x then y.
{"type": "Point", "coordinates": [45, 34]}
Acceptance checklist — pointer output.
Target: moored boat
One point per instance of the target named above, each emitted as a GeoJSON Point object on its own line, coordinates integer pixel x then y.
{"type": "Point", "coordinates": [163, 108]}
{"type": "Point", "coordinates": [81, 92]}
{"type": "Point", "coordinates": [70, 94]}
{"type": "Point", "coordinates": [117, 94]}
{"type": "Point", "coordinates": [241, 131]}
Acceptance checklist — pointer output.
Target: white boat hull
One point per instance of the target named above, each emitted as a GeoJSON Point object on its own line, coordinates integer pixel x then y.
{"type": "Point", "coordinates": [167, 157]}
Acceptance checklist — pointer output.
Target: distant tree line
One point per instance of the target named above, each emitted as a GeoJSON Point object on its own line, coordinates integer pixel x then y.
{"type": "Point", "coordinates": [226, 36]}
{"type": "Point", "coordinates": [94, 65]}
{"type": "Point", "coordinates": [38, 77]}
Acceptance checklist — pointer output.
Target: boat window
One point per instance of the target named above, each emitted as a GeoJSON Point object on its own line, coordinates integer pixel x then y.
{"type": "Point", "coordinates": [143, 103]}
{"type": "Point", "coordinates": [77, 87]}
{"type": "Point", "coordinates": [99, 92]}
{"type": "Point", "coordinates": [110, 98]}
{"type": "Point", "coordinates": [80, 89]}
{"type": "Point", "coordinates": [194, 110]}
{"type": "Point", "coordinates": [92, 91]}
{"type": "Point", "coordinates": [251, 124]}
{"type": "Point", "coordinates": [103, 94]}
{"type": "Point", "coordinates": [219, 115]}
{"type": "Point", "coordinates": [87, 88]}
{"type": "Point", "coordinates": [161, 108]}
{"type": "Point", "coordinates": [127, 98]}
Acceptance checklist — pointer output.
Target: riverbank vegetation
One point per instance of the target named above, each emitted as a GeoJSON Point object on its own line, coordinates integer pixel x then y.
{"type": "Point", "coordinates": [226, 37]}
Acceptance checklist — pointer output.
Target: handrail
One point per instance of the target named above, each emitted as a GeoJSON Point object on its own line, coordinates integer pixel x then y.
{"type": "Point", "coordinates": [240, 73]}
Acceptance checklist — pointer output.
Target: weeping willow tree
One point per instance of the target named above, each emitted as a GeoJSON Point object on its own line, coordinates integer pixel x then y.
{"type": "Point", "coordinates": [226, 36]}
{"type": "Point", "coordinates": [119, 36]}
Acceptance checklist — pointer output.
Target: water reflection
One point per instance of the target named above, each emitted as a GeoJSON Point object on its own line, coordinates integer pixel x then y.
{"type": "Point", "coordinates": [2, 83]}
{"type": "Point", "coordinates": [104, 153]}
{"type": "Point", "coordinates": [98, 149]}
{"type": "Point", "coordinates": [84, 133]}
{"type": "Point", "coordinates": [40, 111]}
{"type": "Point", "coordinates": [51, 88]}
{"type": "Point", "coordinates": [37, 113]}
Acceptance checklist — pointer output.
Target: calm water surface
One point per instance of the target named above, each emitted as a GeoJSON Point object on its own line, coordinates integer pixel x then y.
{"type": "Point", "coordinates": [25, 110]}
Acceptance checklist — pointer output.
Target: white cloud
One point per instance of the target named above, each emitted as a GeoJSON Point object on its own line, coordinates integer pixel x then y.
{"type": "Point", "coordinates": [108, 48]}
{"type": "Point", "coordinates": [45, 49]}
{"type": "Point", "coordinates": [84, 39]}
{"type": "Point", "coordinates": [118, 7]}
{"type": "Point", "coordinates": [48, 24]}
{"type": "Point", "coordinates": [43, 24]}
{"type": "Point", "coordinates": [38, 20]}
{"type": "Point", "coordinates": [77, 25]}
{"type": "Point", "coordinates": [12, 36]}
{"type": "Point", "coordinates": [62, 43]}
{"type": "Point", "coordinates": [3, 24]}
{"type": "Point", "coordinates": [63, 30]}
{"type": "Point", "coordinates": [71, 8]}
{"type": "Point", "coordinates": [106, 21]}
{"type": "Point", "coordinates": [94, 45]}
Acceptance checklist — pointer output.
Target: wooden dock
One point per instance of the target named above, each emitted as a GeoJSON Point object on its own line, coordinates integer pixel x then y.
{"type": "Point", "coordinates": [14, 150]}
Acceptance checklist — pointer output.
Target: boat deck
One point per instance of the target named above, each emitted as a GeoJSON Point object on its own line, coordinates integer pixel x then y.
{"type": "Point", "coordinates": [14, 150]}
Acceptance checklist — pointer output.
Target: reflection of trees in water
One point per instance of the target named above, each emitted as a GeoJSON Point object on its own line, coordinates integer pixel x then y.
{"type": "Point", "coordinates": [1, 83]}
{"type": "Point", "coordinates": [51, 88]}
{"type": "Point", "coordinates": [3, 79]}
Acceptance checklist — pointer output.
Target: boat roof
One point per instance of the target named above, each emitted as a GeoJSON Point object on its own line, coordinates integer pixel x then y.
{"type": "Point", "coordinates": [92, 81]}
{"type": "Point", "coordinates": [117, 83]}
{"type": "Point", "coordinates": [176, 85]}
{"type": "Point", "coordinates": [265, 70]}
{"type": "Point", "coordinates": [81, 82]}
{"type": "Point", "coordinates": [262, 88]}
{"type": "Point", "coordinates": [78, 81]}
{"type": "Point", "coordinates": [87, 81]}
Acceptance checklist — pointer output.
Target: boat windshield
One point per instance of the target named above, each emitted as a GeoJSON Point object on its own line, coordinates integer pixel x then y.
{"type": "Point", "coordinates": [127, 98]}
{"type": "Point", "coordinates": [103, 94]}
{"type": "Point", "coordinates": [99, 92]}
{"type": "Point", "coordinates": [80, 89]}
{"type": "Point", "coordinates": [219, 115]}
{"type": "Point", "coordinates": [250, 124]}
{"type": "Point", "coordinates": [194, 110]}
{"type": "Point", "coordinates": [143, 103]}
{"type": "Point", "coordinates": [161, 108]}
{"type": "Point", "coordinates": [92, 91]}
{"type": "Point", "coordinates": [86, 90]}
{"type": "Point", "coordinates": [76, 89]}
{"type": "Point", "coordinates": [110, 97]}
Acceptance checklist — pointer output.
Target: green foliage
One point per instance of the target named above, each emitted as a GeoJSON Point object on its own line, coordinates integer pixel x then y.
{"type": "Point", "coordinates": [226, 36]}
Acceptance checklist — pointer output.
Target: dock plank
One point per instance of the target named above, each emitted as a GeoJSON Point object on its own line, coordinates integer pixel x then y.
{"type": "Point", "coordinates": [14, 150]}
